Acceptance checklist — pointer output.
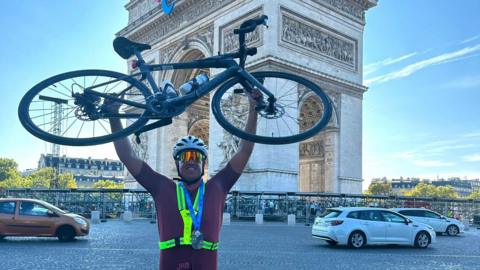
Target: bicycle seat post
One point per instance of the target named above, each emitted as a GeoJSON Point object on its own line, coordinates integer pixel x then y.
{"type": "Point", "coordinates": [146, 71]}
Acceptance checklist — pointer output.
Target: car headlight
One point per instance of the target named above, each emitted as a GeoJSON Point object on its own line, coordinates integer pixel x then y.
{"type": "Point", "coordinates": [80, 221]}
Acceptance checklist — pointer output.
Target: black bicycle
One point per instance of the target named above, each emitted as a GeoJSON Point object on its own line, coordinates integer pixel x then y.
{"type": "Point", "coordinates": [70, 108]}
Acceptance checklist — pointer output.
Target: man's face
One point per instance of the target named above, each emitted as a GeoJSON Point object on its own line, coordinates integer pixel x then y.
{"type": "Point", "coordinates": [190, 165]}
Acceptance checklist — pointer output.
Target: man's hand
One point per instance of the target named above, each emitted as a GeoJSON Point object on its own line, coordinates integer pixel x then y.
{"type": "Point", "coordinates": [255, 97]}
{"type": "Point", "coordinates": [110, 105]}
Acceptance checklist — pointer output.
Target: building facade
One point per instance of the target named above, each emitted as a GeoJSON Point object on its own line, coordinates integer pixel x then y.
{"type": "Point", "coordinates": [462, 187]}
{"type": "Point", "coordinates": [86, 171]}
{"type": "Point", "coordinates": [321, 40]}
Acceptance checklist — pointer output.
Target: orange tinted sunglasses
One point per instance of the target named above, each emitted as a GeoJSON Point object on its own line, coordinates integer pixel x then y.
{"type": "Point", "coordinates": [191, 155]}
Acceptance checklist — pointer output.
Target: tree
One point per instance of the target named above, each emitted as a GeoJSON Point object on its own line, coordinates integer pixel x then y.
{"type": "Point", "coordinates": [7, 167]}
{"type": "Point", "coordinates": [66, 180]}
{"type": "Point", "coordinates": [40, 179]}
{"type": "Point", "coordinates": [379, 189]}
{"type": "Point", "coordinates": [107, 184]}
{"type": "Point", "coordinates": [474, 195]}
{"type": "Point", "coordinates": [429, 190]}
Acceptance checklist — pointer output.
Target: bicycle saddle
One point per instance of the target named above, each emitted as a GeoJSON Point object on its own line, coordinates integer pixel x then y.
{"type": "Point", "coordinates": [126, 48]}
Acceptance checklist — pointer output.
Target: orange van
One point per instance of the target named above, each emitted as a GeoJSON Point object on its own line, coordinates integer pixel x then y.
{"type": "Point", "coordinates": [30, 217]}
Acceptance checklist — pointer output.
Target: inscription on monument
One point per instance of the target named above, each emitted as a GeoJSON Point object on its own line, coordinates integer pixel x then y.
{"type": "Point", "coordinates": [188, 13]}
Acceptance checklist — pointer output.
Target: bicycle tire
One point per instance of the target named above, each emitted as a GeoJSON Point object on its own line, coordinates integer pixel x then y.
{"type": "Point", "coordinates": [26, 119]}
{"type": "Point", "coordinates": [236, 129]}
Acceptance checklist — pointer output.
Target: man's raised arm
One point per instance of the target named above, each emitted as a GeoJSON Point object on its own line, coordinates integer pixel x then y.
{"type": "Point", "coordinates": [125, 152]}
{"type": "Point", "coordinates": [245, 148]}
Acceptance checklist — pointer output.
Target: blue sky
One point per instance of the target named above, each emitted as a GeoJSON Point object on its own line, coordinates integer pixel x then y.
{"type": "Point", "coordinates": [421, 63]}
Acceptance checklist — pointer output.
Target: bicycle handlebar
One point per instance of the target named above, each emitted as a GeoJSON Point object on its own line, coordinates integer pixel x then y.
{"type": "Point", "coordinates": [250, 25]}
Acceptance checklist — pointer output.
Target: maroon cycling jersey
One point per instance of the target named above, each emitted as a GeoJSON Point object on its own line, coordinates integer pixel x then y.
{"type": "Point", "coordinates": [170, 223]}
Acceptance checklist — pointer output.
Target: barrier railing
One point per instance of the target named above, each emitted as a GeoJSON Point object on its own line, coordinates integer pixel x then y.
{"type": "Point", "coordinates": [241, 205]}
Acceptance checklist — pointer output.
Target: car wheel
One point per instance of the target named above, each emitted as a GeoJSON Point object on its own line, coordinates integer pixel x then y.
{"type": "Point", "coordinates": [452, 230]}
{"type": "Point", "coordinates": [357, 239]}
{"type": "Point", "coordinates": [66, 234]}
{"type": "Point", "coordinates": [422, 240]}
{"type": "Point", "coordinates": [332, 243]}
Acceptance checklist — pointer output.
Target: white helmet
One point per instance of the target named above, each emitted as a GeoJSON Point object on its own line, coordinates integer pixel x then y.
{"type": "Point", "coordinates": [189, 143]}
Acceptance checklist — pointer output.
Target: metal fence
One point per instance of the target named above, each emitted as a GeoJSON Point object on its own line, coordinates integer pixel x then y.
{"type": "Point", "coordinates": [241, 205]}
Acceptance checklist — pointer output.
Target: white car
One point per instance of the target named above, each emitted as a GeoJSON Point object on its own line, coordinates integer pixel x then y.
{"type": "Point", "coordinates": [359, 226]}
{"type": "Point", "coordinates": [440, 224]}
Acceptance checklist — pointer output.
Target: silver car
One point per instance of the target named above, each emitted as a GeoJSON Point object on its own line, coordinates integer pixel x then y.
{"type": "Point", "coordinates": [439, 223]}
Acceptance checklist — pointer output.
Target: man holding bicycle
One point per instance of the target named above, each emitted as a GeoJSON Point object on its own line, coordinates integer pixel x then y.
{"type": "Point", "coordinates": [189, 212]}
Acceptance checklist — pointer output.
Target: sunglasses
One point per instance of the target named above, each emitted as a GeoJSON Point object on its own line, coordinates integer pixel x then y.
{"type": "Point", "coordinates": [190, 155]}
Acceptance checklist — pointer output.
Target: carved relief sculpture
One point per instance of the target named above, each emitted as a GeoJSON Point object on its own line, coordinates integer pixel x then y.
{"type": "Point", "coordinates": [318, 41]}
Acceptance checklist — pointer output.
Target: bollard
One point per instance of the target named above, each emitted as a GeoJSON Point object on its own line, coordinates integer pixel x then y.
{"type": "Point", "coordinates": [466, 224]}
{"type": "Point", "coordinates": [127, 216]}
{"type": "Point", "coordinates": [259, 219]}
{"type": "Point", "coordinates": [95, 217]}
{"type": "Point", "coordinates": [226, 218]}
{"type": "Point", "coordinates": [291, 219]}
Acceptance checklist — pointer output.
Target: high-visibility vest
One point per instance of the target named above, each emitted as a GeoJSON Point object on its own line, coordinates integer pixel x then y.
{"type": "Point", "coordinates": [187, 225]}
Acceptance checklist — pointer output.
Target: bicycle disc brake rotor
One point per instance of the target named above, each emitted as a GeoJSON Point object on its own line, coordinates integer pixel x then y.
{"type": "Point", "coordinates": [88, 105]}
{"type": "Point", "coordinates": [277, 112]}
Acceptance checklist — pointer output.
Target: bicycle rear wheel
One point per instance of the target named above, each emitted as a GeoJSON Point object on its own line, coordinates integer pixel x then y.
{"type": "Point", "coordinates": [302, 109]}
{"type": "Point", "coordinates": [59, 111]}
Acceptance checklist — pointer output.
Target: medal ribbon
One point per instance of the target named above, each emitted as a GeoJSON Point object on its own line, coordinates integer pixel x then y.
{"type": "Point", "coordinates": [197, 219]}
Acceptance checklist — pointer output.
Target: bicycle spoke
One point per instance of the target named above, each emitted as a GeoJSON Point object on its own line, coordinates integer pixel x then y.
{"type": "Point", "coordinates": [80, 130]}
{"type": "Point", "coordinates": [42, 115]}
{"type": "Point", "coordinates": [291, 132]}
{"type": "Point", "coordinates": [55, 90]}
{"type": "Point", "coordinates": [76, 119]}
{"type": "Point", "coordinates": [103, 127]}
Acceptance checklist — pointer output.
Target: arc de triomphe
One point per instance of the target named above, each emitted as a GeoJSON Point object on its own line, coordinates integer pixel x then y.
{"type": "Point", "coordinates": [319, 39]}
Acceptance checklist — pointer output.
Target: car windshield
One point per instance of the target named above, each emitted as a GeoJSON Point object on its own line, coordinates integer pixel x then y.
{"type": "Point", "coordinates": [54, 207]}
{"type": "Point", "coordinates": [331, 213]}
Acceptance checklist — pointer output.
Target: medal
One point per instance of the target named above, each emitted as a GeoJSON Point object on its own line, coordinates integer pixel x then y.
{"type": "Point", "coordinates": [197, 236]}
{"type": "Point", "coordinates": [197, 240]}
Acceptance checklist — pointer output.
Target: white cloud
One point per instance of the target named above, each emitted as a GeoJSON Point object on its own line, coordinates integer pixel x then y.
{"type": "Point", "coordinates": [472, 158]}
{"type": "Point", "coordinates": [470, 39]}
{"type": "Point", "coordinates": [410, 69]}
{"type": "Point", "coordinates": [370, 68]}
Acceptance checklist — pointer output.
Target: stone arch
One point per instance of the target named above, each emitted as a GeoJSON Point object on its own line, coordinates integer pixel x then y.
{"type": "Point", "coordinates": [311, 151]}
{"type": "Point", "coordinates": [195, 121]}
{"type": "Point", "coordinates": [189, 49]}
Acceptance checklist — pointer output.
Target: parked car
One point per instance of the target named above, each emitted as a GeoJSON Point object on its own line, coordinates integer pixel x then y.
{"type": "Point", "coordinates": [359, 226]}
{"type": "Point", "coordinates": [30, 217]}
{"type": "Point", "coordinates": [440, 224]}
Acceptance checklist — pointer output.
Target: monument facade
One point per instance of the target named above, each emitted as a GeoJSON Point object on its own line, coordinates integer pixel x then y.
{"type": "Point", "coordinates": [321, 40]}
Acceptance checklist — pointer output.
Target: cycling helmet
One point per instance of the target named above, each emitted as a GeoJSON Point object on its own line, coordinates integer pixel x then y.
{"type": "Point", "coordinates": [189, 143]}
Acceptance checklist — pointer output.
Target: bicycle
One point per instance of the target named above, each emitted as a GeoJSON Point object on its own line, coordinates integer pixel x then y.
{"type": "Point", "coordinates": [70, 108]}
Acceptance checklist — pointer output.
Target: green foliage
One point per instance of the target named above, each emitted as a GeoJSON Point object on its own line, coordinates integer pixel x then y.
{"type": "Point", "coordinates": [379, 189]}
{"type": "Point", "coordinates": [8, 167]}
{"type": "Point", "coordinates": [65, 180]}
{"type": "Point", "coordinates": [107, 184]}
{"type": "Point", "coordinates": [428, 190]}
{"type": "Point", "coordinates": [474, 195]}
{"type": "Point", "coordinates": [43, 178]}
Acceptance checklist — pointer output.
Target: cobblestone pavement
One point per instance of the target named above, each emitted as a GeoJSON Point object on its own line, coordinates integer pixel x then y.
{"type": "Point", "coordinates": [116, 245]}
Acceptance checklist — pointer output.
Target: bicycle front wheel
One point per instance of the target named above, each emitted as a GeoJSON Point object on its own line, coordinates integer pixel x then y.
{"type": "Point", "coordinates": [58, 110]}
{"type": "Point", "coordinates": [302, 109]}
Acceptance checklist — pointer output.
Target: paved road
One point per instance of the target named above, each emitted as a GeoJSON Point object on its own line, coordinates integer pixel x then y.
{"type": "Point", "coordinates": [116, 245]}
